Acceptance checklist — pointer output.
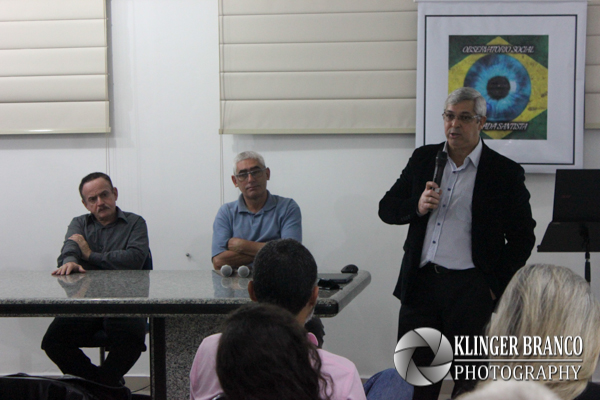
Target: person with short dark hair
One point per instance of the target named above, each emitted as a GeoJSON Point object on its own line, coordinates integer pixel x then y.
{"type": "Point", "coordinates": [285, 274]}
{"type": "Point", "coordinates": [92, 177]}
{"type": "Point", "coordinates": [277, 361]}
{"type": "Point", "coordinates": [105, 239]}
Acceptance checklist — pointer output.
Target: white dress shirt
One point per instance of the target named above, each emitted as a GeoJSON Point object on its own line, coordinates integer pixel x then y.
{"type": "Point", "coordinates": [448, 237]}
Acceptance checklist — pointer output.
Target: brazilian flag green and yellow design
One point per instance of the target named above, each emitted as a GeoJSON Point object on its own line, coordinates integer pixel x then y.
{"type": "Point", "coordinates": [511, 72]}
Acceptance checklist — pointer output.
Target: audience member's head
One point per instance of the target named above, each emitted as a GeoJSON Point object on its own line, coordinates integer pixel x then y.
{"type": "Point", "coordinates": [285, 274]}
{"type": "Point", "coordinates": [275, 361]}
{"type": "Point", "coordinates": [513, 390]}
{"type": "Point", "coordinates": [550, 301]}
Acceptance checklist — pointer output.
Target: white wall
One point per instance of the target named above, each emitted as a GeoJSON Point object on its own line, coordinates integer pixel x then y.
{"type": "Point", "coordinates": [165, 159]}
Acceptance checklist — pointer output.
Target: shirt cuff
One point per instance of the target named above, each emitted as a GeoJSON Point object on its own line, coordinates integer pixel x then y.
{"type": "Point", "coordinates": [419, 214]}
{"type": "Point", "coordinates": [68, 259]}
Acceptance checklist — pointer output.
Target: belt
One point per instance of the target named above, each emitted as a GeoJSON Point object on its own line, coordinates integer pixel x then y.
{"type": "Point", "coordinates": [438, 269]}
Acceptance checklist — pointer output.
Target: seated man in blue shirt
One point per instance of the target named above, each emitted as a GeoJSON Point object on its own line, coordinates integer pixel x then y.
{"type": "Point", "coordinates": [105, 239]}
{"type": "Point", "coordinates": [244, 226]}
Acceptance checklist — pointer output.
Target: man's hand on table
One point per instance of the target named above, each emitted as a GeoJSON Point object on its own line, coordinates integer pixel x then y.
{"type": "Point", "coordinates": [68, 268]}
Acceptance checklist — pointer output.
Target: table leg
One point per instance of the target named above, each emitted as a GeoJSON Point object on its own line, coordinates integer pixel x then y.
{"type": "Point", "coordinates": [174, 342]}
{"type": "Point", "coordinates": [158, 374]}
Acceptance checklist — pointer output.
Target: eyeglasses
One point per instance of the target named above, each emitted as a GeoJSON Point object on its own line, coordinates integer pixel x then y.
{"type": "Point", "coordinates": [448, 117]}
{"type": "Point", "coordinates": [256, 173]}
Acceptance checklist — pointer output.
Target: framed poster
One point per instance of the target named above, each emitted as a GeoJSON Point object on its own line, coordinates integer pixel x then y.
{"type": "Point", "coordinates": [526, 58]}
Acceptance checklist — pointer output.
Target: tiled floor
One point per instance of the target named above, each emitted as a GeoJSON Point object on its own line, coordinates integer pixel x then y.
{"type": "Point", "coordinates": [446, 391]}
{"type": "Point", "coordinates": [138, 384]}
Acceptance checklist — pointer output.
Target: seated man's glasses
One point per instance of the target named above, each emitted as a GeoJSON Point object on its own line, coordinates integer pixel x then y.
{"type": "Point", "coordinates": [256, 173]}
{"type": "Point", "coordinates": [449, 117]}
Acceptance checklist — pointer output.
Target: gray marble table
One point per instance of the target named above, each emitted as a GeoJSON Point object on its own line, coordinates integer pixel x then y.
{"type": "Point", "coordinates": [183, 306]}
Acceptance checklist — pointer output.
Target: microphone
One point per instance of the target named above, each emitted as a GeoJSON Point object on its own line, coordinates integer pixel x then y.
{"type": "Point", "coordinates": [243, 271]}
{"type": "Point", "coordinates": [226, 270]}
{"type": "Point", "coordinates": [440, 162]}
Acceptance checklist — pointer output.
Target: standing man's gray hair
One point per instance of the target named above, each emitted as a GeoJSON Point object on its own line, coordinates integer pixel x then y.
{"type": "Point", "coordinates": [467, 93]}
{"type": "Point", "coordinates": [248, 155]}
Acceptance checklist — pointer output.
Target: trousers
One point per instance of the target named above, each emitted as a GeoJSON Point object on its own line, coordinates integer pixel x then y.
{"type": "Point", "coordinates": [455, 302]}
{"type": "Point", "coordinates": [124, 337]}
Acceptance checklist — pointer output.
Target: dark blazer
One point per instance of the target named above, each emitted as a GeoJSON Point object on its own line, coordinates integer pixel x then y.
{"type": "Point", "coordinates": [502, 225]}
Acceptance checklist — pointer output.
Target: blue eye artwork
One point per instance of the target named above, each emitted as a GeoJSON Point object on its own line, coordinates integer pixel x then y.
{"type": "Point", "coordinates": [505, 84]}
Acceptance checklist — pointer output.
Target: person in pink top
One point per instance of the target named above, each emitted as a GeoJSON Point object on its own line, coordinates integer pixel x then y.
{"type": "Point", "coordinates": [277, 361]}
{"type": "Point", "coordinates": [285, 274]}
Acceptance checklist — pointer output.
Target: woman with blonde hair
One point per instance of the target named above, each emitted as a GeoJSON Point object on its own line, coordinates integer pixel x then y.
{"type": "Point", "coordinates": [513, 390]}
{"type": "Point", "coordinates": [548, 301]}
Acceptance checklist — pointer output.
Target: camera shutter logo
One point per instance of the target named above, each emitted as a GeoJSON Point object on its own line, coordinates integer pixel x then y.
{"type": "Point", "coordinates": [423, 375]}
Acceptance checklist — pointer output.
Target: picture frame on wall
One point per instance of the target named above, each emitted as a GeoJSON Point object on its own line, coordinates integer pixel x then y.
{"type": "Point", "coordinates": [526, 58]}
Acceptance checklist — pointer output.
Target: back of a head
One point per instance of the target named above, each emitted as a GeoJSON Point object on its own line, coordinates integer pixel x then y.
{"type": "Point", "coordinates": [284, 273]}
{"type": "Point", "coordinates": [264, 354]}
{"type": "Point", "coordinates": [549, 301]}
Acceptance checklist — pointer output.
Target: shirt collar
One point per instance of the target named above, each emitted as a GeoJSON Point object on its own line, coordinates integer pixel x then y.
{"type": "Point", "coordinates": [121, 215]}
{"type": "Point", "coordinates": [474, 156]}
{"type": "Point", "coordinates": [312, 338]}
{"type": "Point", "coordinates": [269, 204]}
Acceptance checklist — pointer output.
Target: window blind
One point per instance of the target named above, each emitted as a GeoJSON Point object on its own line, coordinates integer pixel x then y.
{"type": "Point", "coordinates": [312, 66]}
{"type": "Point", "coordinates": [53, 67]}
{"type": "Point", "coordinates": [592, 66]}
{"type": "Point", "coordinates": [336, 66]}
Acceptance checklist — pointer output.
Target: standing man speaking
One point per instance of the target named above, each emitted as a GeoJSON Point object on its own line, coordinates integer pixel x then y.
{"type": "Point", "coordinates": [467, 235]}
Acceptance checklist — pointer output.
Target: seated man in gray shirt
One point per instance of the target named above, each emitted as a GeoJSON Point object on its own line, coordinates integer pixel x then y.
{"type": "Point", "coordinates": [105, 239]}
